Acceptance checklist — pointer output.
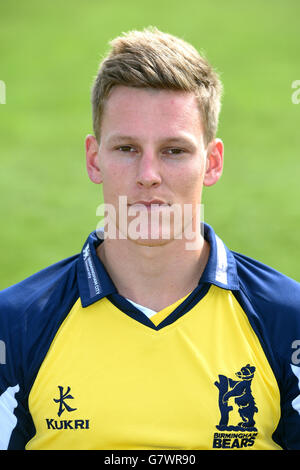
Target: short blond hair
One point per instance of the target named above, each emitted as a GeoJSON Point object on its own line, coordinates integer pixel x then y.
{"type": "Point", "coordinates": [153, 59]}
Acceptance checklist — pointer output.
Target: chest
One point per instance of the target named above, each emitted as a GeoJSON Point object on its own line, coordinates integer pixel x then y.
{"type": "Point", "coordinates": [109, 382]}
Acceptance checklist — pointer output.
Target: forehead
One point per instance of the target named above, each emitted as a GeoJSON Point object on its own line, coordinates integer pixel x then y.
{"type": "Point", "coordinates": [131, 110]}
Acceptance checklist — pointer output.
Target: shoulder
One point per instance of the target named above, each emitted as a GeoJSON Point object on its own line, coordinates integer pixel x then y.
{"type": "Point", "coordinates": [39, 300]}
{"type": "Point", "coordinates": [271, 301]}
{"type": "Point", "coordinates": [267, 287]}
{"type": "Point", "coordinates": [31, 312]}
{"type": "Point", "coordinates": [37, 288]}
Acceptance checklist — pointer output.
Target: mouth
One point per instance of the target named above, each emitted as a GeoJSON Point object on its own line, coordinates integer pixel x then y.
{"type": "Point", "coordinates": [153, 204]}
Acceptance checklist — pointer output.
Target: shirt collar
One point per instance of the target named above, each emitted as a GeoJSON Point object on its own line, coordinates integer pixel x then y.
{"type": "Point", "coordinates": [95, 283]}
{"type": "Point", "coordinates": [93, 279]}
{"type": "Point", "coordinates": [221, 267]}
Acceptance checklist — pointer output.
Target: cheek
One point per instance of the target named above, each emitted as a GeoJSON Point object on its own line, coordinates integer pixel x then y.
{"type": "Point", "coordinates": [113, 174]}
{"type": "Point", "coordinates": [114, 183]}
{"type": "Point", "coordinates": [190, 182]}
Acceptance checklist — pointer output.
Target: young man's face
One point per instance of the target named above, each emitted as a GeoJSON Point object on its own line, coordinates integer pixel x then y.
{"type": "Point", "coordinates": [152, 151]}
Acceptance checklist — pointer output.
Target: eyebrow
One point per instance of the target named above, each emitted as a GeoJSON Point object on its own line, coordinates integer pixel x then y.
{"type": "Point", "coordinates": [170, 140]}
{"type": "Point", "coordinates": [120, 138]}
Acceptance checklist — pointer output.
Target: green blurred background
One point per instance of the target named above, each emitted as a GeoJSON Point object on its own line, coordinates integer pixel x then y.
{"type": "Point", "coordinates": [49, 55]}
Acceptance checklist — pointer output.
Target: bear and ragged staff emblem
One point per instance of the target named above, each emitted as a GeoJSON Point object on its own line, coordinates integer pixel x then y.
{"type": "Point", "coordinates": [240, 391]}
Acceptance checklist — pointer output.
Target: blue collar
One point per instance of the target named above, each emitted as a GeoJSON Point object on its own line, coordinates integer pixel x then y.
{"type": "Point", "coordinates": [95, 283]}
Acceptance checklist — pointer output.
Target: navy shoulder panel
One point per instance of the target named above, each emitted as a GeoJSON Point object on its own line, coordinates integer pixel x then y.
{"type": "Point", "coordinates": [271, 301]}
{"type": "Point", "coordinates": [30, 315]}
{"type": "Point", "coordinates": [31, 311]}
{"type": "Point", "coordinates": [275, 301]}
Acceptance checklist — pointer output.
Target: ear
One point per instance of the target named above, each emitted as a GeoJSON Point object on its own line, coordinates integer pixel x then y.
{"type": "Point", "coordinates": [214, 162]}
{"type": "Point", "coordinates": [92, 159]}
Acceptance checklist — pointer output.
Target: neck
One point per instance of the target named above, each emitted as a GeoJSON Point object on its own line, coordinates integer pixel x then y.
{"type": "Point", "coordinates": [153, 276]}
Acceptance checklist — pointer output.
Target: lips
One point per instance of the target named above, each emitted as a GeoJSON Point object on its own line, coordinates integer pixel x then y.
{"type": "Point", "coordinates": [154, 204]}
{"type": "Point", "coordinates": [150, 203]}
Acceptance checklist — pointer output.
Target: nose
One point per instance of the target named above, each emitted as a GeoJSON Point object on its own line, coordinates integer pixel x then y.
{"type": "Point", "coordinates": [148, 173]}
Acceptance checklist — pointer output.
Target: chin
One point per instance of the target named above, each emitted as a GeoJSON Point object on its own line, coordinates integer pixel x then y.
{"type": "Point", "coordinates": [150, 242]}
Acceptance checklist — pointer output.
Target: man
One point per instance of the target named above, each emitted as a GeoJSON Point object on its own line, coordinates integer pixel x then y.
{"type": "Point", "coordinates": [156, 336]}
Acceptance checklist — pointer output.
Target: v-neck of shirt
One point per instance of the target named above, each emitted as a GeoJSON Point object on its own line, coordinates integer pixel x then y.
{"type": "Point", "coordinates": [158, 317]}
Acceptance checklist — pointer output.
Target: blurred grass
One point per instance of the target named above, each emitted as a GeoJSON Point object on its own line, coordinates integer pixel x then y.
{"type": "Point", "coordinates": [49, 54]}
